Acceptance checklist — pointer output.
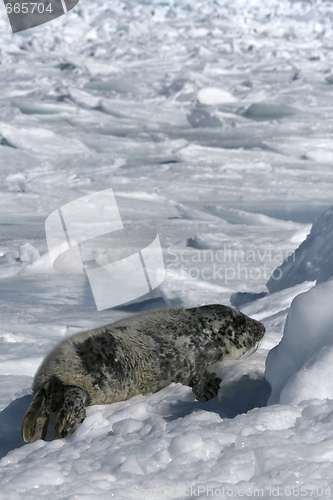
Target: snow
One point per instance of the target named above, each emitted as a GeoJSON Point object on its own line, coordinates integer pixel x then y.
{"type": "Point", "coordinates": [312, 260]}
{"type": "Point", "coordinates": [299, 368]}
{"type": "Point", "coordinates": [213, 95]}
{"type": "Point", "coordinates": [211, 122]}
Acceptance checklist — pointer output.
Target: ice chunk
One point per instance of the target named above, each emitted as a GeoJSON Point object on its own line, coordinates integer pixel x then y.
{"type": "Point", "coordinates": [261, 111]}
{"type": "Point", "coordinates": [214, 95]}
{"type": "Point", "coordinates": [201, 118]}
{"type": "Point", "coordinates": [28, 253]}
{"type": "Point", "coordinates": [235, 216]}
{"type": "Point", "coordinates": [312, 260]}
{"type": "Point", "coordinates": [84, 99]}
{"type": "Point", "coordinates": [194, 214]}
{"type": "Point", "coordinates": [300, 367]}
{"type": "Point", "coordinates": [186, 443]}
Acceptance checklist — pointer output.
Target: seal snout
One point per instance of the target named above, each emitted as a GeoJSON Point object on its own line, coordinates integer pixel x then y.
{"type": "Point", "coordinates": [257, 327]}
{"type": "Point", "coordinates": [252, 333]}
{"type": "Point", "coordinates": [256, 330]}
{"type": "Point", "coordinates": [262, 329]}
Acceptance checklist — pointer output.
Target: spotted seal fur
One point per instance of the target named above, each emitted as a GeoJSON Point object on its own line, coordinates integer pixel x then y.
{"type": "Point", "coordinates": [136, 355]}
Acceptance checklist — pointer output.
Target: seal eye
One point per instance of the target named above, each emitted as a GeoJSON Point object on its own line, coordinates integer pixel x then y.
{"type": "Point", "coordinates": [240, 323]}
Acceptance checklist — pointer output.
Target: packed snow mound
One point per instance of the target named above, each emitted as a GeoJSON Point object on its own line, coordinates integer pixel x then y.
{"type": "Point", "coordinates": [214, 95]}
{"type": "Point", "coordinates": [300, 366]}
{"type": "Point", "coordinates": [312, 260]}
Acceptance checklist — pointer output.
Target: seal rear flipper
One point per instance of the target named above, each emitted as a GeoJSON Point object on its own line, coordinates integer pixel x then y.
{"type": "Point", "coordinates": [35, 419]}
{"type": "Point", "coordinates": [72, 412]}
{"type": "Point", "coordinates": [206, 387]}
{"type": "Point", "coordinates": [47, 400]}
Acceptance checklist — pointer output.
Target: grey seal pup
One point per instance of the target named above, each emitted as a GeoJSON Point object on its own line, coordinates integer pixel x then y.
{"type": "Point", "coordinates": [140, 354]}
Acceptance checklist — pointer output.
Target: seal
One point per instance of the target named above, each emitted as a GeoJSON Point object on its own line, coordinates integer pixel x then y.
{"type": "Point", "coordinates": [140, 354]}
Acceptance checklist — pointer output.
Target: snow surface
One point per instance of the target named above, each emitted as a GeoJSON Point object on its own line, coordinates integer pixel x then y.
{"type": "Point", "coordinates": [300, 367]}
{"type": "Point", "coordinates": [211, 121]}
{"type": "Point", "coordinates": [312, 260]}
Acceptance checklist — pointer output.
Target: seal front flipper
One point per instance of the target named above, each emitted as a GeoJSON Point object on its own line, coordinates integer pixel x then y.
{"type": "Point", "coordinates": [72, 412]}
{"type": "Point", "coordinates": [47, 400]}
{"type": "Point", "coordinates": [206, 387]}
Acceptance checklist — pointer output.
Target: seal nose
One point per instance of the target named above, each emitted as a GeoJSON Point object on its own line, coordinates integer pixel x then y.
{"type": "Point", "coordinates": [261, 330]}
{"type": "Point", "coordinates": [257, 328]}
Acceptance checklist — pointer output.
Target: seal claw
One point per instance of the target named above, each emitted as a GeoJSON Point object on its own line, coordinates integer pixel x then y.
{"type": "Point", "coordinates": [206, 388]}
